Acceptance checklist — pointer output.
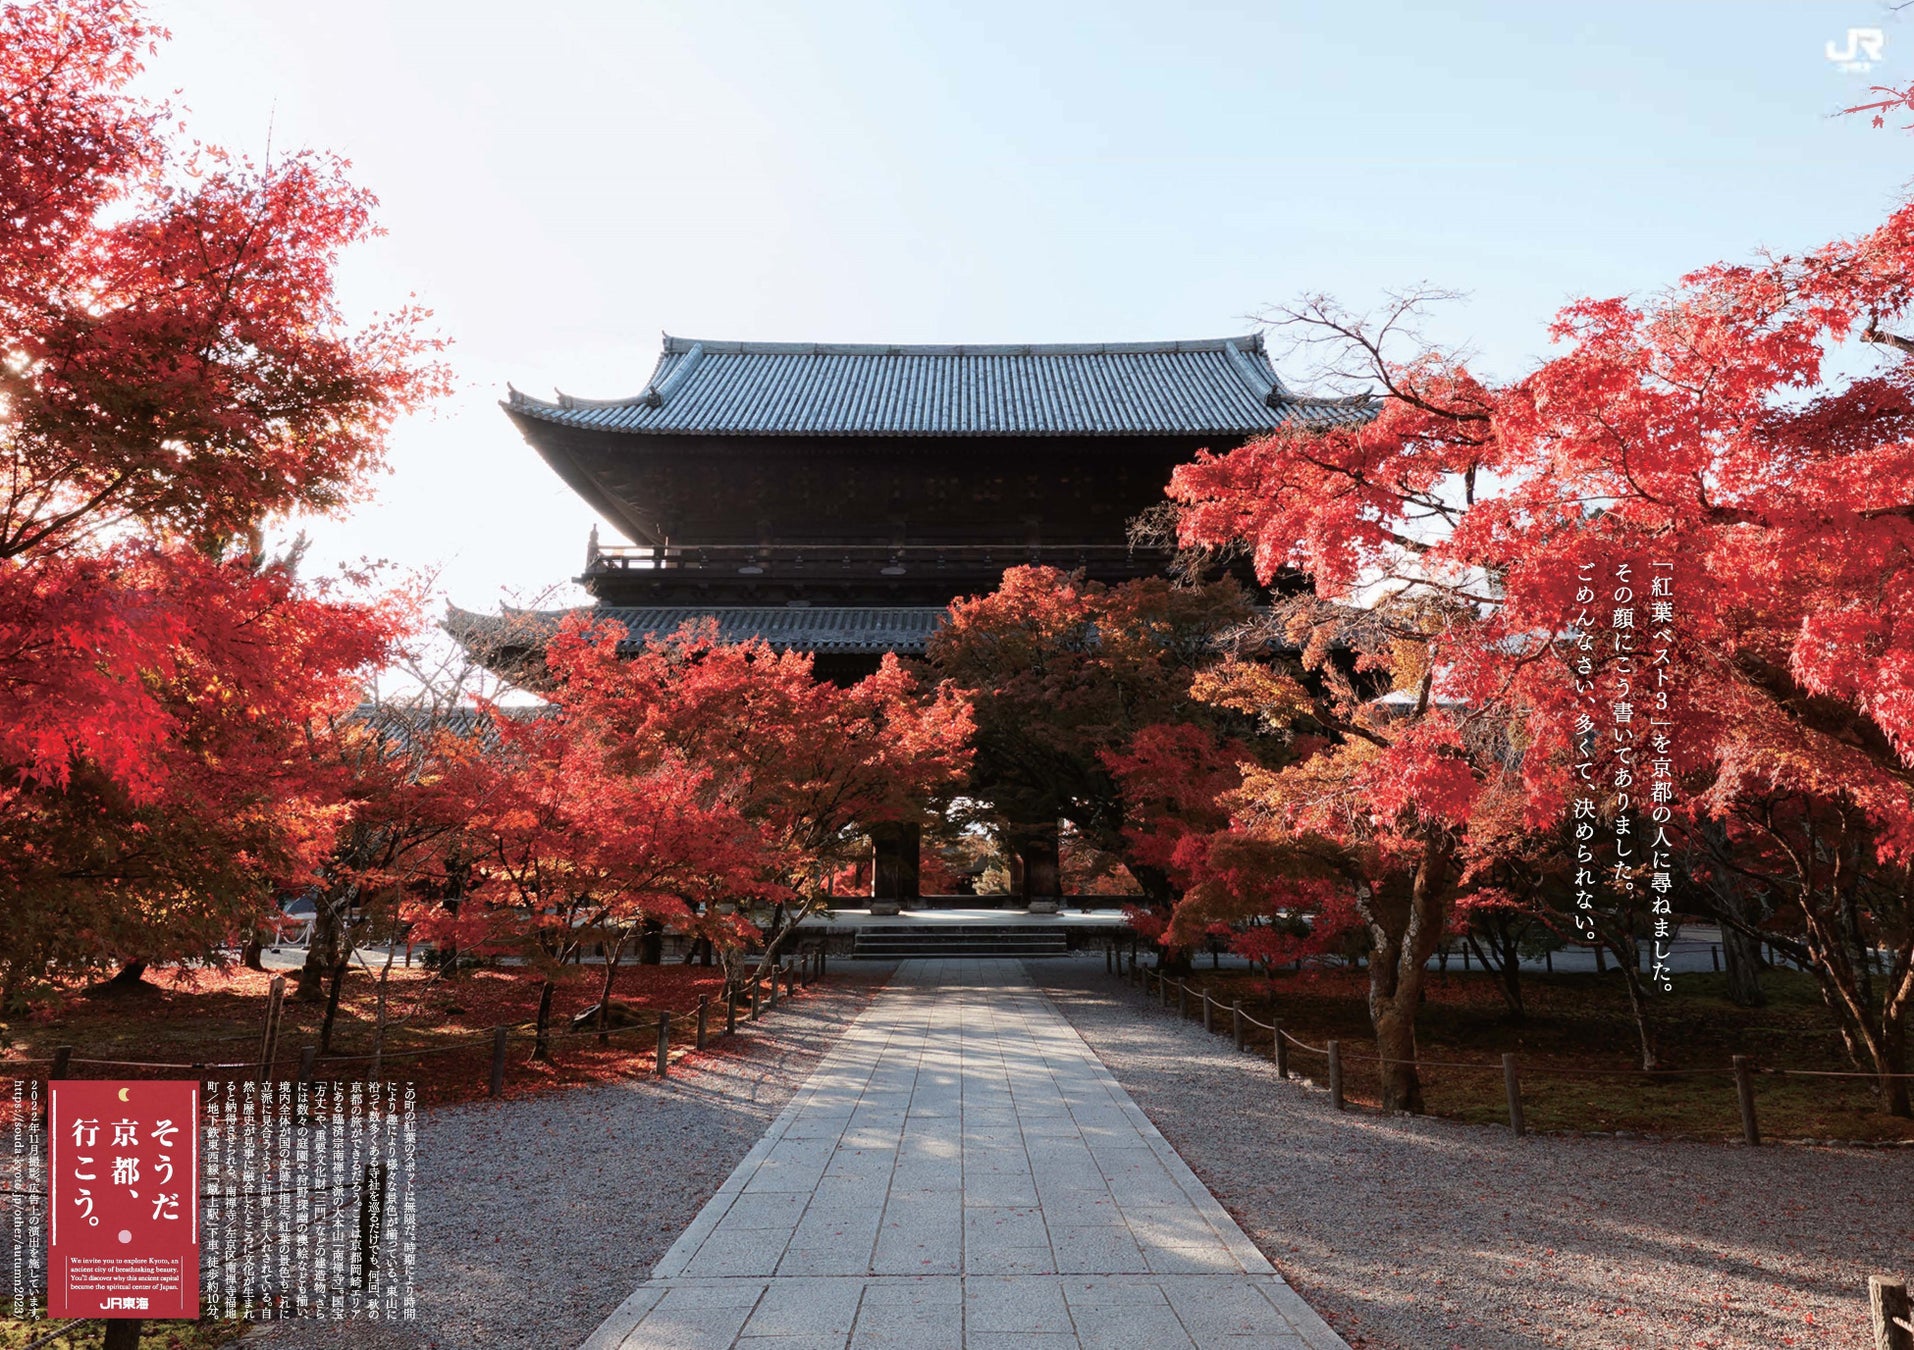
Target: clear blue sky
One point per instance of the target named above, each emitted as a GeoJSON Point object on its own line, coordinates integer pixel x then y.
{"type": "Point", "coordinates": [564, 181]}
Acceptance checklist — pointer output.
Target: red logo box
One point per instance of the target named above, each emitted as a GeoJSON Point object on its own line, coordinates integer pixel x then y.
{"type": "Point", "coordinates": [123, 1174]}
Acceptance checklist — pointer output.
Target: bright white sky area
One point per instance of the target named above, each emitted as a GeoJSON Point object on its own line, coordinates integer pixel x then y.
{"type": "Point", "coordinates": [562, 182]}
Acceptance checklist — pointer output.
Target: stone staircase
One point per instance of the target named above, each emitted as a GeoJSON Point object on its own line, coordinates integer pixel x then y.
{"type": "Point", "coordinates": [959, 939]}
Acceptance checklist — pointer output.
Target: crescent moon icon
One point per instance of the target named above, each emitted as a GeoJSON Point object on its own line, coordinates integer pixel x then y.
{"type": "Point", "coordinates": [123, 1096]}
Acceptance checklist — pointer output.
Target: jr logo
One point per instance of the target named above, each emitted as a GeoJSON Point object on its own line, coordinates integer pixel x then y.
{"type": "Point", "coordinates": [1864, 48]}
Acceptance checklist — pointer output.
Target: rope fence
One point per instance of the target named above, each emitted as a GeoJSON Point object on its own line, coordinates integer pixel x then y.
{"type": "Point", "coordinates": [746, 1000]}
{"type": "Point", "coordinates": [1742, 1070]}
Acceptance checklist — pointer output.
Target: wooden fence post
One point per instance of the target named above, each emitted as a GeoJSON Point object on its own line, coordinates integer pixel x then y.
{"type": "Point", "coordinates": [1278, 1048]}
{"type": "Point", "coordinates": [1207, 1029]}
{"type": "Point", "coordinates": [1888, 1305]}
{"type": "Point", "coordinates": [1744, 1091]}
{"type": "Point", "coordinates": [1236, 1023]}
{"type": "Point", "coordinates": [1513, 1085]}
{"type": "Point", "coordinates": [757, 996]}
{"type": "Point", "coordinates": [704, 1014]}
{"type": "Point", "coordinates": [498, 1061]}
{"type": "Point", "coordinates": [1335, 1074]}
{"type": "Point", "coordinates": [269, 1046]}
{"type": "Point", "coordinates": [62, 1055]}
{"type": "Point", "coordinates": [664, 1043]}
{"type": "Point", "coordinates": [730, 1012]}
{"type": "Point", "coordinates": [1182, 1002]}
{"type": "Point", "coordinates": [308, 1060]}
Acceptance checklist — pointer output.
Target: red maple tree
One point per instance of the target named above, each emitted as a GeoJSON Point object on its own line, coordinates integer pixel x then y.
{"type": "Point", "coordinates": [564, 853]}
{"type": "Point", "coordinates": [1702, 430]}
{"type": "Point", "coordinates": [176, 375]}
{"type": "Point", "coordinates": [808, 765]}
{"type": "Point", "coordinates": [1089, 709]}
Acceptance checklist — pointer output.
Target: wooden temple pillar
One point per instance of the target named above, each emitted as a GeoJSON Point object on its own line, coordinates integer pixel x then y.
{"type": "Point", "coordinates": [1041, 874]}
{"type": "Point", "coordinates": [897, 848]}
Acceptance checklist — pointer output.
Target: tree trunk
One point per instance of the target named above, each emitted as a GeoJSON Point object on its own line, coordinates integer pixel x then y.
{"type": "Point", "coordinates": [1161, 895]}
{"type": "Point", "coordinates": [542, 1036]}
{"type": "Point", "coordinates": [1628, 957]}
{"type": "Point", "coordinates": [1404, 934]}
{"type": "Point", "coordinates": [1738, 905]}
{"type": "Point", "coordinates": [1873, 1032]}
{"type": "Point", "coordinates": [1396, 1046]}
{"type": "Point", "coordinates": [604, 992]}
{"type": "Point", "coordinates": [448, 953]}
{"type": "Point", "coordinates": [322, 946]}
{"type": "Point", "coordinates": [310, 984]}
{"type": "Point", "coordinates": [332, 1006]}
{"type": "Point", "coordinates": [651, 944]}
{"type": "Point", "coordinates": [784, 924]}
{"type": "Point", "coordinates": [1741, 958]}
{"type": "Point", "coordinates": [1507, 965]}
{"type": "Point", "coordinates": [379, 1015]}
{"type": "Point", "coordinates": [1895, 1100]}
{"type": "Point", "coordinates": [129, 975]}
{"type": "Point", "coordinates": [252, 953]}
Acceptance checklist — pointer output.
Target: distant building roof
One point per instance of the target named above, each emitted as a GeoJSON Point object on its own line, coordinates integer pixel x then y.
{"type": "Point", "coordinates": [1215, 386]}
{"type": "Point", "coordinates": [843, 630]}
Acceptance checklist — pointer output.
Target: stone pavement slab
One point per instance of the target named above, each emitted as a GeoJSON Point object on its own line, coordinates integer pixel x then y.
{"type": "Point", "coordinates": [962, 1173]}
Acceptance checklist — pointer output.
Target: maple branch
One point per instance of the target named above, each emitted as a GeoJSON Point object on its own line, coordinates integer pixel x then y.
{"type": "Point", "coordinates": [29, 538]}
{"type": "Point", "coordinates": [1335, 325]}
{"type": "Point", "coordinates": [1838, 721]}
{"type": "Point", "coordinates": [1875, 334]}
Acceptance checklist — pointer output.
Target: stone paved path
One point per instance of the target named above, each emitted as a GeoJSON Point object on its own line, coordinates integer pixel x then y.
{"type": "Point", "coordinates": [962, 1173]}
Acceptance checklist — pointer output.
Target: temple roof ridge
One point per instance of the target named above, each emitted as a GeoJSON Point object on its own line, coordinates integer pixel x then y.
{"type": "Point", "coordinates": [851, 629]}
{"type": "Point", "coordinates": [1221, 386]}
{"type": "Point", "coordinates": [676, 345]}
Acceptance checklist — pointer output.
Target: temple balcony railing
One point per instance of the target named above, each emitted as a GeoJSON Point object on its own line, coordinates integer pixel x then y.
{"type": "Point", "coordinates": [821, 561]}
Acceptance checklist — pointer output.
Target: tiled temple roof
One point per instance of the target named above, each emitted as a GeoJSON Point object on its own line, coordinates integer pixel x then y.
{"type": "Point", "coordinates": [1215, 386]}
{"type": "Point", "coordinates": [846, 630]}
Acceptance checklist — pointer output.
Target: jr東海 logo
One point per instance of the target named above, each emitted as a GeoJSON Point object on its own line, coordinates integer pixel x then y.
{"type": "Point", "coordinates": [1863, 49]}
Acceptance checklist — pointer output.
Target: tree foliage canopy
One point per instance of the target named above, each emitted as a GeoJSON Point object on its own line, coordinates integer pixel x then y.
{"type": "Point", "coordinates": [175, 372]}
{"type": "Point", "coordinates": [1701, 428]}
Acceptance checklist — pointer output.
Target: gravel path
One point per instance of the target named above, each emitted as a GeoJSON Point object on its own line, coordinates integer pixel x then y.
{"type": "Point", "coordinates": [542, 1214]}
{"type": "Point", "coordinates": [1427, 1234]}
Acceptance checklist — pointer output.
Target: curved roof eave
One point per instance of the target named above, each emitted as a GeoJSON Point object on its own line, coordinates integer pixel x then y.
{"type": "Point", "coordinates": [706, 387]}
